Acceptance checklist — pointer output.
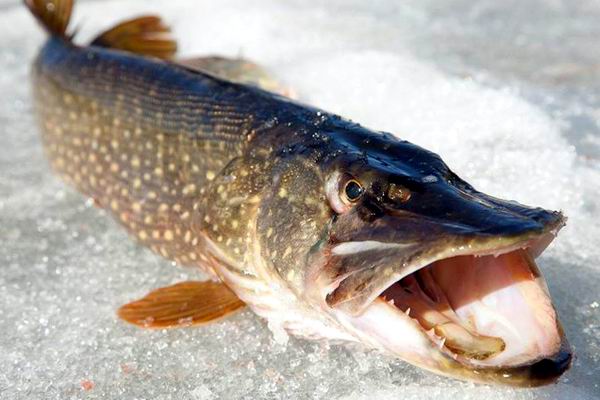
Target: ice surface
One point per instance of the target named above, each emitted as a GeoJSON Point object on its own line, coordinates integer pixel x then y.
{"type": "Point", "coordinates": [506, 92]}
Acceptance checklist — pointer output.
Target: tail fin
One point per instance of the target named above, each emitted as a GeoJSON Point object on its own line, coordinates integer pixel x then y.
{"type": "Point", "coordinates": [54, 15]}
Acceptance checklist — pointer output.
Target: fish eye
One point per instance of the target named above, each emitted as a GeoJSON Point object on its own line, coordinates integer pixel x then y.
{"type": "Point", "coordinates": [343, 191]}
{"type": "Point", "coordinates": [353, 190]}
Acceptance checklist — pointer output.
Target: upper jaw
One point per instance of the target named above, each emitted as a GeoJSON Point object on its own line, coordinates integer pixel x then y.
{"type": "Point", "coordinates": [360, 270]}
{"type": "Point", "coordinates": [368, 253]}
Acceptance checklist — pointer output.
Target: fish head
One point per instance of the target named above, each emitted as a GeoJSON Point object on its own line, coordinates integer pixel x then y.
{"type": "Point", "coordinates": [411, 259]}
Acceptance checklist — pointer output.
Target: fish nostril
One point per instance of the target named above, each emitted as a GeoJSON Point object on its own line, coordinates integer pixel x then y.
{"type": "Point", "coordinates": [398, 194]}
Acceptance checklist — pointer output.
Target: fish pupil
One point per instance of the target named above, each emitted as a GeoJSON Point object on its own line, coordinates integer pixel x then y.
{"type": "Point", "coordinates": [353, 190]}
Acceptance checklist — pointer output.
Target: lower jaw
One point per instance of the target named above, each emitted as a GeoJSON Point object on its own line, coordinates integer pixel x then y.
{"type": "Point", "coordinates": [406, 337]}
{"type": "Point", "coordinates": [416, 348]}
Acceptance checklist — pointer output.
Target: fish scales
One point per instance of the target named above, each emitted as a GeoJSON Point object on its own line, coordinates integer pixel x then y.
{"type": "Point", "coordinates": [143, 139]}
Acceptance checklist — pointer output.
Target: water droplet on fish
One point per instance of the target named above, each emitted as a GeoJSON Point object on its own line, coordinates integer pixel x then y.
{"type": "Point", "coordinates": [429, 179]}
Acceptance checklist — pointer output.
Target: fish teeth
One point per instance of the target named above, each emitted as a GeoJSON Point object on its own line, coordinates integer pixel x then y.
{"type": "Point", "coordinates": [407, 312]}
{"type": "Point", "coordinates": [391, 302]}
{"type": "Point", "coordinates": [441, 343]}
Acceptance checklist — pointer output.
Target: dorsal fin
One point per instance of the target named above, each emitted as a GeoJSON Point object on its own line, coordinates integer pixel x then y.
{"type": "Point", "coordinates": [146, 35]}
{"type": "Point", "coordinates": [237, 70]}
{"type": "Point", "coordinates": [54, 15]}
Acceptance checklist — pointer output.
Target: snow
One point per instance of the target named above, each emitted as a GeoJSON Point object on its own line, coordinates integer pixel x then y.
{"type": "Point", "coordinates": [510, 102]}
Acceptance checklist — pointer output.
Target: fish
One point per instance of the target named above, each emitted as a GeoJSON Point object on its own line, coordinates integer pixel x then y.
{"type": "Point", "coordinates": [326, 229]}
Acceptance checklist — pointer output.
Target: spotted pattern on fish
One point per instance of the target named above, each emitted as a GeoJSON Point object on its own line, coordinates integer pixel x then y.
{"type": "Point", "coordinates": [177, 156]}
{"type": "Point", "coordinates": [130, 153]}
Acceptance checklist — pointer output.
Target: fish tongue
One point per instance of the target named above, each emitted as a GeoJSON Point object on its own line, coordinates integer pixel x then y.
{"type": "Point", "coordinates": [458, 338]}
{"type": "Point", "coordinates": [462, 342]}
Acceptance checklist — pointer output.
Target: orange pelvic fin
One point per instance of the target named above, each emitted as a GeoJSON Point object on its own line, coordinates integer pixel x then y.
{"type": "Point", "coordinates": [183, 304]}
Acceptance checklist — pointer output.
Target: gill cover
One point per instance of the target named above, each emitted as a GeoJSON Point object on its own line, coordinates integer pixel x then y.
{"type": "Point", "coordinates": [292, 216]}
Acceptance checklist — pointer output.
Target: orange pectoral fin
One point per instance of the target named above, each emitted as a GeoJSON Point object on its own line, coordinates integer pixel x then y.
{"type": "Point", "coordinates": [183, 304]}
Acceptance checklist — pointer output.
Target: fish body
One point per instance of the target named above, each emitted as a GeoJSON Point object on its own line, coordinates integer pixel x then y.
{"type": "Point", "coordinates": [182, 172]}
{"type": "Point", "coordinates": [323, 227]}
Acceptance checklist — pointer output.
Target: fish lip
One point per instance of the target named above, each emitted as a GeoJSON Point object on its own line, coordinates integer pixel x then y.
{"type": "Point", "coordinates": [549, 369]}
{"type": "Point", "coordinates": [544, 371]}
{"type": "Point", "coordinates": [463, 245]}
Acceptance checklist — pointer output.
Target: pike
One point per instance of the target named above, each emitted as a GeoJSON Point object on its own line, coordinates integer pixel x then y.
{"type": "Point", "coordinates": [326, 229]}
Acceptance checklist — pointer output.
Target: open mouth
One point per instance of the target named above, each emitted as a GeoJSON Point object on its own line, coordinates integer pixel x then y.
{"type": "Point", "coordinates": [483, 310]}
{"type": "Point", "coordinates": [465, 300]}
{"type": "Point", "coordinates": [480, 312]}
